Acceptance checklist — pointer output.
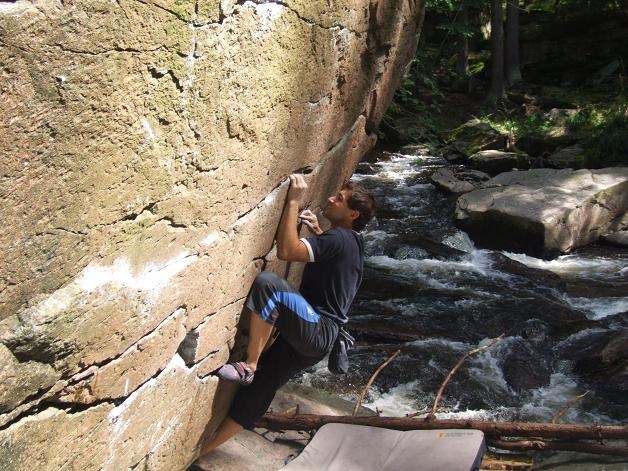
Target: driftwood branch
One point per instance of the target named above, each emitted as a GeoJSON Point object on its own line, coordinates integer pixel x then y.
{"type": "Point", "coordinates": [567, 407]}
{"type": "Point", "coordinates": [370, 382]}
{"type": "Point", "coordinates": [501, 464]}
{"type": "Point", "coordinates": [430, 416]}
{"type": "Point", "coordinates": [495, 430]}
{"type": "Point", "coordinates": [584, 447]}
{"type": "Point", "coordinates": [417, 413]}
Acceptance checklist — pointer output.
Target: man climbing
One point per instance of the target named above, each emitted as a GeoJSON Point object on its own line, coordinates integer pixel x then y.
{"type": "Point", "coordinates": [308, 320]}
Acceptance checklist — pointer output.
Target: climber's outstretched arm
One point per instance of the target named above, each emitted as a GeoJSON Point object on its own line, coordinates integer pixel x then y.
{"type": "Point", "coordinates": [289, 247]}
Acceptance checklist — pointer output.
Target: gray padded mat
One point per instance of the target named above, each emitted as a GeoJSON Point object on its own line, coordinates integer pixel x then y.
{"type": "Point", "coordinates": [340, 447]}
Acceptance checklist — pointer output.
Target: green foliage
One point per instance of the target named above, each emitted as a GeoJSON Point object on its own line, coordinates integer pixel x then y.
{"type": "Point", "coordinates": [601, 129]}
{"type": "Point", "coordinates": [442, 6]}
{"type": "Point", "coordinates": [606, 132]}
{"type": "Point", "coordinates": [585, 120]}
{"type": "Point", "coordinates": [536, 124]}
{"type": "Point", "coordinates": [554, 6]}
{"type": "Point", "coordinates": [415, 106]}
{"type": "Point", "coordinates": [476, 66]}
{"type": "Point", "coordinates": [434, 97]}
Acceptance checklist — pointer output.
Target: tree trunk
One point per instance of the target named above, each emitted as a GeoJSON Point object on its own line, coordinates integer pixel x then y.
{"type": "Point", "coordinates": [497, 90]}
{"type": "Point", "coordinates": [511, 54]}
{"type": "Point", "coordinates": [274, 421]}
{"type": "Point", "coordinates": [462, 59]}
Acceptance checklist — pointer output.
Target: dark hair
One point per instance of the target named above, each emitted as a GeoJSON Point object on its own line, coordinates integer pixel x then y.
{"type": "Point", "coordinates": [362, 201]}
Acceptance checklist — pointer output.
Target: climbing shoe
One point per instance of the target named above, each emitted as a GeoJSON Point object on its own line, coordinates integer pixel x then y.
{"type": "Point", "coordinates": [238, 372]}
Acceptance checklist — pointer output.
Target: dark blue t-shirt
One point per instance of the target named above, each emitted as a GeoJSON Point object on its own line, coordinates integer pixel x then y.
{"type": "Point", "coordinates": [334, 273]}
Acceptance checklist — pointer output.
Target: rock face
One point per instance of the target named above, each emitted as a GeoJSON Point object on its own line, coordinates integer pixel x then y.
{"type": "Point", "coordinates": [545, 211]}
{"type": "Point", "coordinates": [146, 147]}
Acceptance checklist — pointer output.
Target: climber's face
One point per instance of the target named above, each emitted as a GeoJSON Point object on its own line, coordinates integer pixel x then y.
{"type": "Point", "coordinates": [338, 211]}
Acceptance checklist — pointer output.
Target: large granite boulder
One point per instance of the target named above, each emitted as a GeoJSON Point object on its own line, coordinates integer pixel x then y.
{"type": "Point", "coordinates": [145, 152]}
{"type": "Point", "coordinates": [619, 238]}
{"type": "Point", "coordinates": [542, 146]}
{"type": "Point", "coordinates": [544, 211]}
{"type": "Point", "coordinates": [570, 157]}
{"type": "Point", "coordinates": [457, 180]}
{"type": "Point", "coordinates": [472, 137]}
{"type": "Point", "coordinates": [494, 162]}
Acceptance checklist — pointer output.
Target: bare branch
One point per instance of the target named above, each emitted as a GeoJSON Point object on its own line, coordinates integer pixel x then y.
{"type": "Point", "coordinates": [417, 413]}
{"type": "Point", "coordinates": [491, 463]}
{"type": "Point", "coordinates": [568, 406]}
{"type": "Point", "coordinates": [370, 382]}
{"type": "Point", "coordinates": [430, 416]}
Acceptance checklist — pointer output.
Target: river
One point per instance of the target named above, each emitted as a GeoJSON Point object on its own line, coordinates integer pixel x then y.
{"type": "Point", "coordinates": [430, 292]}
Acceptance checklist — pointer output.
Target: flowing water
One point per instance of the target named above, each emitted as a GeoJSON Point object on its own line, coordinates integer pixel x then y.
{"type": "Point", "coordinates": [431, 293]}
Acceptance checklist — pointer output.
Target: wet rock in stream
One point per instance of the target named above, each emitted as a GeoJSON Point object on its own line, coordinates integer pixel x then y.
{"type": "Point", "coordinates": [526, 365]}
{"type": "Point", "coordinates": [544, 211]}
{"type": "Point", "coordinates": [457, 179]}
{"type": "Point", "coordinates": [540, 277]}
{"type": "Point", "coordinates": [604, 363]}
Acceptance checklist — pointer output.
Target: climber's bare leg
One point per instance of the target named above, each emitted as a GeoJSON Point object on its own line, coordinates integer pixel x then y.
{"type": "Point", "coordinates": [259, 335]}
{"type": "Point", "coordinates": [227, 429]}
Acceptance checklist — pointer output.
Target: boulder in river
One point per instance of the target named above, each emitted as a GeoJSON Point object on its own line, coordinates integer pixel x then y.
{"type": "Point", "coordinates": [366, 168]}
{"type": "Point", "coordinates": [617, 238]}
{"type": "Point", "coordinates": [544, 211]}
{"type": "Point", "coordinates": [472, 137]}
{"type": "Point", "coordinates": [496, 161]}
{"type": "Point", "coordinates": [537, 275]}
{"type": "Point", "coordinates": [419, 150]}
{"type": "Point", "coordinates": [539, 146]}
{"type": "Point", "coordinates": [454, 180]}
{"type": "Point", "coordinates": [569, 157]}
{"type": "Point", "coordinates": [607, 363]}
{"type": "Point", "coordinates": [524, 367]}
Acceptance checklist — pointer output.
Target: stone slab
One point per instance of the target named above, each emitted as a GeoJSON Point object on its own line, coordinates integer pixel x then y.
{"type": "Point", "coordinates": [212, 334]}
{"type": "Point", "coordinates": [21, 380]}
{"type": "Point", "coordinates": [121, 376]}
{"type": "Point", "coordinates": [40, 441]}
{"type": "Point", "coordinates": [248, 451]}
{"type": "Point", "coordinates": [544, 211]}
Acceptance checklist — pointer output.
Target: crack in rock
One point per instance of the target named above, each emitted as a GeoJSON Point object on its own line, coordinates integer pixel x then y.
{"type": "Point", "coordinates": [129, 50]}
{"type": "Point", "coordinates": [158, 74]}
{"type": "Point", "coordinates": [177, 15]}
{"type": "Point", "coordinates": [148, 208]}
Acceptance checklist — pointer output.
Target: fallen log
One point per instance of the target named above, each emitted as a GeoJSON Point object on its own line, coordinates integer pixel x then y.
{"type": "Point", "coordinates": [273, 421]}
{"type": "Point", "coordinates": [536, 445]}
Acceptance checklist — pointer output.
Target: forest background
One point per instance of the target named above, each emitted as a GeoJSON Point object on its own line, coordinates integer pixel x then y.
{"type": "Point", "coordinates": [550, 73]}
